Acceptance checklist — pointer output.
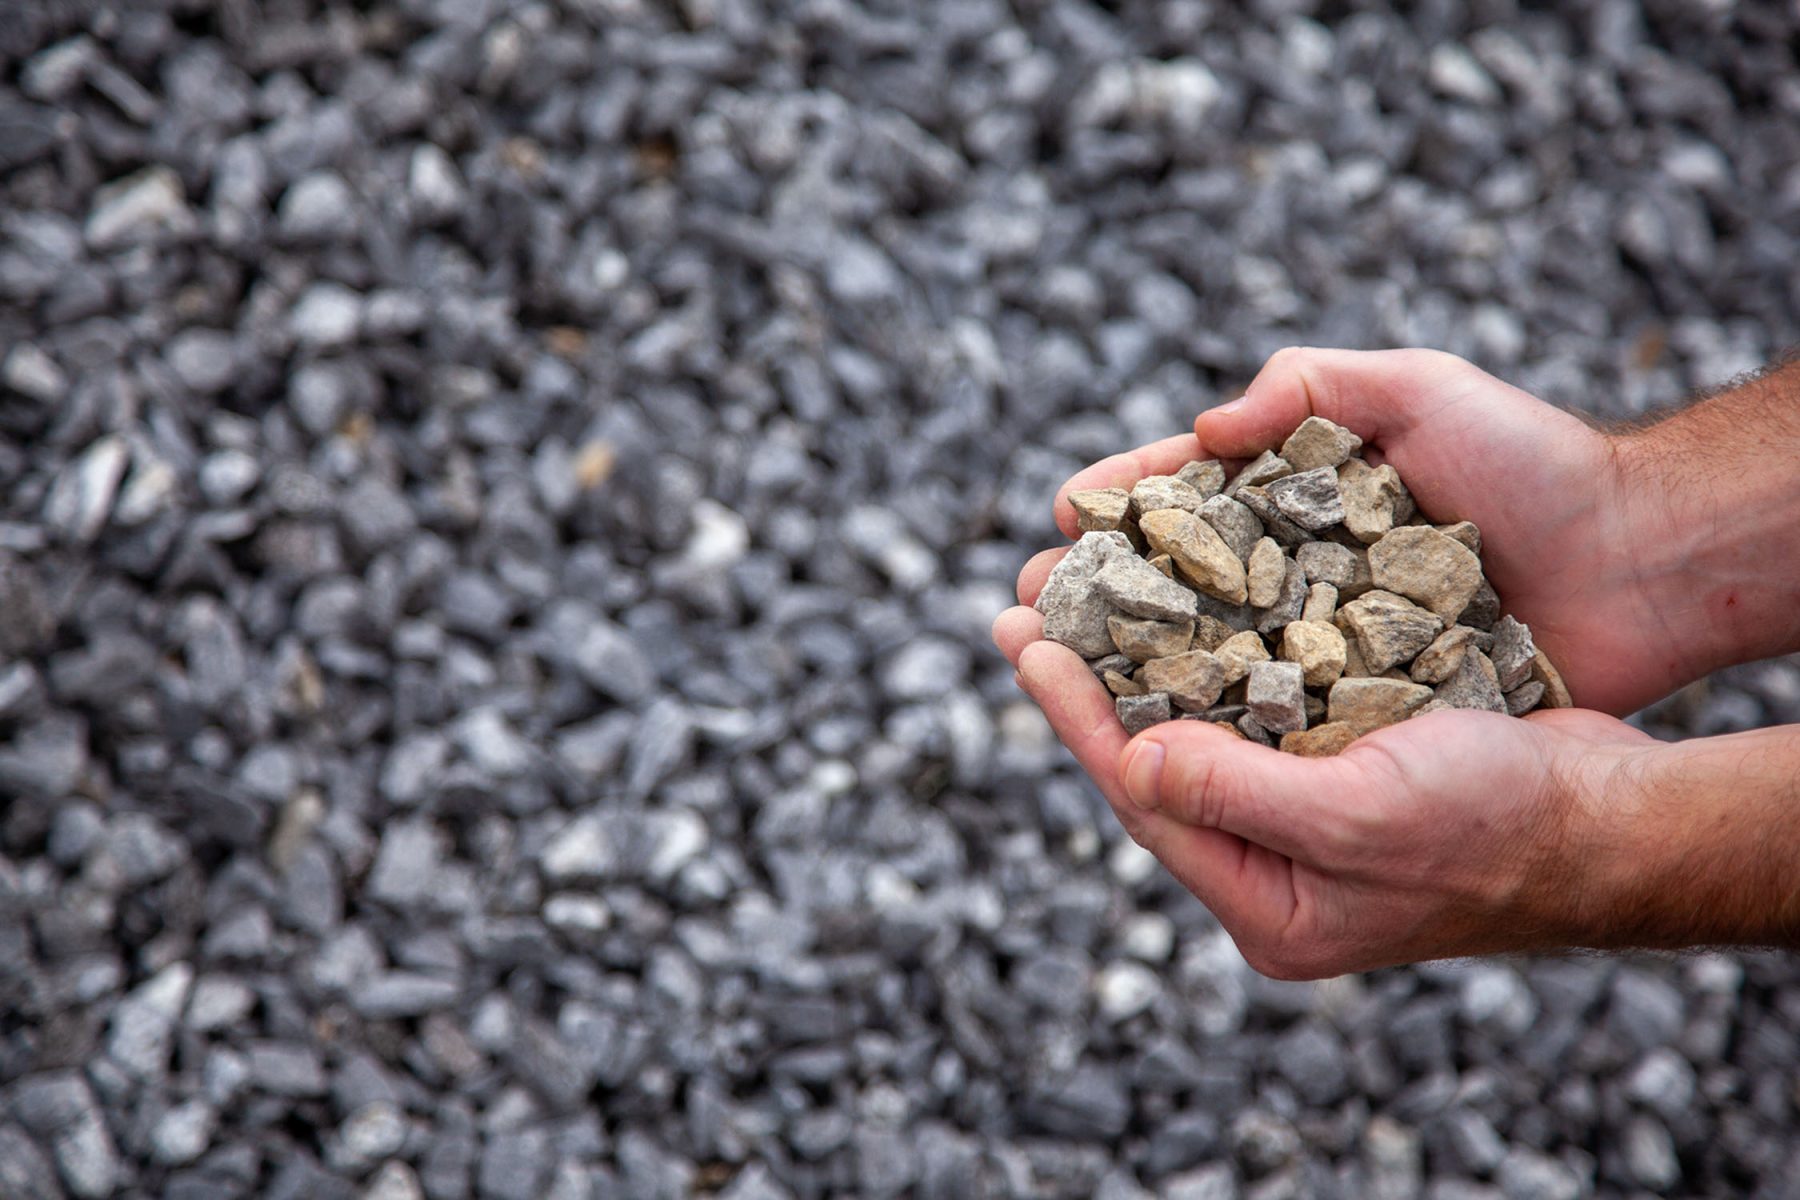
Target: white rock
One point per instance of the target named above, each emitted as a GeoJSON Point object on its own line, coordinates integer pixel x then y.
{"type": "Point", "coordinates": [144, 1022]}
{"type": "Point", "coordinates": [317, 206]}
{"type": "Point", "coordinates": [583, 850]}
{"type": "Point", "coordinates": [676, 838]}
{"type": "Point", "coordinates": [183, 1133]}
{"type": "Point", "coordinates": [327, 314]}
{"type": "Point", "coordinates": [434, 183]}
{"type": "Point", "coordinates": [226, 475]}
{"type": "Point", "coordinates": [577, 913]}
{"type": "Point", "coordinates": [1124, 989]}
{"type": "Point", "coordinates": [1453, 72]}
{"type": "Point", "coordinates": [1149, 936]}
{"type": "Point", "coordinates": [34, 374]}
{"type": "Point", "coordinates": [218, 1003]}
{"type": "Point", "coordinates": [720, 537]}
{"type": "Point", "coordinates": [492, 743]}
{"type": "Point", "coordinates": [82, 496]}
{"type": "Point", "coordinates": [1130, 863]}
{"type": "Point", "coordinates": [149, 202]}
{"type": "Point", "coordinates": [394, 1181]}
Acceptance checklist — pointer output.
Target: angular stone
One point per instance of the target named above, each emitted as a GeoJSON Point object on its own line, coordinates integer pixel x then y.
{"type": "Point", "coordinates": [1388, 629]}
{"type": "Point", "coordinates": [1163, 563]}
{"type": "Point", "coordinates": [1319, 443]}
{"type": "Point", "coordinates": [1464, 532]}
{"type": "Point", "coordinates": [1309, 499]}
{"type": "Point", "coordinates": [1111, 662]}
{"type": "Point", "coordinates": [1239, 652]}
{"type": "Point", "coordinates": [1100, 510]}
{"type": "Point", "coordinates": [1120, 684]}
{"type": "Point", "coordinates": [1210, 633]}
{"type": "Point", "coordinates": [1221, 712]}
{"type": "Point", "coordinates": [1074, 611]}
{"type": "Point", "coordinates": [1141, 640]}
{"type": "Point", "coordinates": [1138, 713]}
{"type": "Point", "coordinates": [1204, 475]}
{"type": "Point", "coordinates": [1321, 741]}
{"type": "Point", "coordinates": [1267, 569]}
{"type": "Point", "coordinates": [1318, 648]}
{"type": "Point", "coordinates": [1133, 586]}
{"type": "Point", "coordinates": [1524, 698]}
{"type": "Point", "coordinates": [1265, 468]}
{"type": "Point", "coordinates": [1556, 692]}
{"type": "Point", "coordinates": [1236, 617]}
{"type": "Point", "coordinates": [1513, 652]}
{"type": "Point", "coordinates": [1155, 492]}
{"type": "Point", "coordinates": [1435, 571]}
{"type": "Point", "coordinates": [1192, 681]}
{"type": "Point", "coordinates": [1372, 498]}
{"type": "Point", "coordinates": [1276, 696]}
{"type": "Point", "coordinates": [1473, 685]}
{"type": "Point", "coordinates": [1232, 521]}
{"type": "Point", "coordinates": [1369, 704]}
{"type": "Point", "coordinates": [1483, 610]}
{"type": "Point", "coordinates": [1201, 555]}
{"type": "Point", "coordinates": [1321, 603]}
{"type": "Point", "coordinates": [1253, 732]}
{"type": "Point", "coordinates": [1274, 524]}
{"type": "Point", "coordinates": [1353, 659]}
{"type": "Point", "coordinates": [1288, 603]}
{"type": "Point", "coordinates": [1345, 569]}
{"type": "Point", "coordinates": [1438, 661]}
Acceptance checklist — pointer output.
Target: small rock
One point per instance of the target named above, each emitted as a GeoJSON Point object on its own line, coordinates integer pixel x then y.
{"type": "Point", "coordinates": [1310, 499]}
{"type": "Point", "coordinates": [1318, 648]}
{"type": "Point", "coordinates": [1288, 602]}
{"type": "Point", "coordinates": [137, 207]}
{"type": "Point", "coordinates": [1345, 569]}
{"type": "Point", "coordinates": [1524, 698]}
{"type": "Point", "coordinates": [1239, 652]}
{"type": "Point", "coordinates": [1163, 563]}
{"type": "Point", "coordinates": [1112, 662]}
{"type": "Point", "coordinates": [1204, 475]}
{"type": "Point", "coordinates": [1264, 469]}
{"type": "Point", "coordinates": [1231, 520]}
{"type": "Point", "coordinates": [1267, 570]}
{"type": "Point", "coordinates": [326, 315]}
{"type": "Point", "coordinates": [434, 183]}
{"type": "Point", "coordinates": [81, 499]}
{"type": "Point", "coordinates": [1556, 693]}
{"type": "Point", "coordinates": [34, 374]}
{"type": "Point", "coordinates": [1138, 713]}
{"type": "Point", "coordinates": [1372, 499]}
{"type": "Point", "coordinates": [1321, 603]}
{"type": "Point", "coordinates": [1276, 696]}
{"type": "Point", "coordinates": [1154, 492]}
{"type": "Point", "coordinates": [1513, 652]}
{"type": "Point", "coordinates": [1132, 585]}
{"type": "Point", "coordinates": [1201, 555]}
{"type": "Point", "coordinates": [1141, 640]}
{"type": "Point", "coordinates": [1209, 631]}
{"type": "Point", "coordinates": [1100, 510]}
{"type": "Point", "coordinates": [1192, 680]}
{"type": "Point", "coordinates": [1434, 571]}
{"type": "Point", "coordinates": [1464, 532]}
{"type": "Point", "coordinates": [1124, 989]}
{"type": "Point", "coordinates": [1439, 661]}
{"type": "Point", "coordinates": [1075, 614]}
{"type": "Point", "coordinates": [1321, 741]}
{"type": "Point", "coordinates": [1369, 704]}
{"type": "Point", "coordinates": [1473, 686]}
{"type": "Point", "coordinates": [1319, 443]}
{"type": "Point", "coordinates": [1270, 518]}
{"type": "Point", "coordinates": [1121, 685]}
{"type": "Point", "coordinates": [1251, 731]}
{"type": "Point", "coordinates": [1388, 629]}
{"type": "Point", "coordinates": [1483, 610]}
{"type": "Point", "coordinates": [183, 1133]}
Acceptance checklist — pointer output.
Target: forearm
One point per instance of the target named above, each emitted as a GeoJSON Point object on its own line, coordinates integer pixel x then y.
{"type": "Point", "coordinates": [1690, 844]}
{"type": "Point", "coordinates": [1714, 490]}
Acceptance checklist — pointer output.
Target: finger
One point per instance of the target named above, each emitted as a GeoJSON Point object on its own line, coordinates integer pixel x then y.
{"type": "Point", "coordinates": [1245, 886]}
{"type": "Point", "coordinates": [1015, 629]}
{"type": "Point", "coordinates": [1373, 393]}
{"type": "Point", "coordinates": [1210, 779]}
{"type": "Point", "coordinates": [1036, 570]}
{"type": "Point", "coordinates": [1122, 470]}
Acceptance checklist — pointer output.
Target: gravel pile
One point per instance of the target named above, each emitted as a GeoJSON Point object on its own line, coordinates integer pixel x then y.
{"type": "Point", "coordinates": [503, 507]}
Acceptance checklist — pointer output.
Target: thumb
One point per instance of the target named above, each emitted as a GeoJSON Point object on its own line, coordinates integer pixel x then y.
{"type": "Point", "coordinates": [1372, 393]}
{"type": "Point", "coordinates": [1202, 776]}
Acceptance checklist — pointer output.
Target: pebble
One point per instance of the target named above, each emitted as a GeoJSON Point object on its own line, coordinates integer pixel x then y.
{"type": "Point", "coordinates": [1366, 705]}
{"type": "Point", "coordinates": [1524, 698]}
{"type": "Point", "coordinates": [1289, 601]}
{"type": "Point", "coordinates": [1372, 499]}
{"type": "Point", "coordinates": [1100, 510]}
{"type": "Point", "coordinates": [1192, 680]}
{"type": "Point", "coordinates": [1321, 741]}
{"type": "Point", "coordinates": [1439, 661]}
{"type": "Point", "coordinates": [1389, 629]}
{"type": "Point", "coordinates": [1473, 686]}
{"type": "Point", "coordinates": [1260, 471]}
{"type": "Point", "coordinates": [1075, 613]}
{"type": "Point", "coordinates": [1310, 499]}
{"type": "Point", "coordinates": [1317, 647]}
{"type": "Point", "coordinates": [1319, 443]}
{"type": "Point", "coordinates": [1205, 475]}
{"type": "Point", "coordinates": [1133, 586]}
{"type": "Point", "coordinates": [1138, 713]}
{"type": "Point", "coordinates": [1141, 640]}
{"type": "Point", "coordinates": [1321, 603]}
{"type": "Point", "coordinates": [1239, 652]}
{"type": "Point", "coordinates": [1513, 653]}
{"type": "Point", "coordinates": [1234, 522]}
{"type": "Point", "coordinates": [1201, 556]}
{"type": "Point", "coordinates": [1155, 492]}
{"type": "Point", "coordinates": [1267, 569]}
{"type": "Point", "coordinates": [1428, 568]}
{"type": "Point", "coordinates": [1276, 696]}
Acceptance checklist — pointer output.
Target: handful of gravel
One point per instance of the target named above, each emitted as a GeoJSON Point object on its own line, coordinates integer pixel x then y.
{"type": "Point", "coordinates": [1304, 603]}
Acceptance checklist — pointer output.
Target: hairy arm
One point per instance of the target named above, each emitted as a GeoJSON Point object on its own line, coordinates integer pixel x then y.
{"type": "Point", "coordinates": [1715, 489]}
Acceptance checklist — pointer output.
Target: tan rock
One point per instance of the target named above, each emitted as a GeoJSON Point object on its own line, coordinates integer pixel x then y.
{"type": "Point", "coordinates": [1438, 661]}
{"type": "Point", "coordinates": [1318, 648]}
{"type": "Point", "coordinates": [1464, 532]}
{"type": "Point", "coordinates": [1353, 659]}
{"type": "Point", "coordinates": [1100, 510]}
{"type": "Point", "coordinates": [1389, 629]}
{"type": "Point", "coordinates": [1556, 692]}
{"type": "Point", "coordinates": [1233, 730]}
{"type": "Point", "coordinates": [1321, 741]}
{"type": "Point", "coordinates": [1141, 640]}
{"type": "Point", "coordinates": [1204, 475]}
{"type": "Point", "coordinates": [1268, 567]}
{"type": "Point", "coordinates": [1369, 704]}
{"type": "Point", "coordinates": [1319, 443]}
{"type": "Point", "coordinates": [1163, 563]}
{"type": "Point", "coordinates": [1239, 652]}
{"type": "Point", "coordinates": [1163, 491]}
{"type": "Point", "coordinates": [1201, 555]}
{"type": "Point", "coordinates": [1121, 685]}
{"type": "Point", "coordinates": [1192, 680]}
{"type": "Point", "coordinates": [1372, 498]}
{"type": "Point", "coordinates": [1321, 603]}
{"type": "Point", "coordinates": [1425, 566]}
{"type": "Point", "coordinates": [1210, 633]}
{"type": "Point", "coordinates": [1474, 685]}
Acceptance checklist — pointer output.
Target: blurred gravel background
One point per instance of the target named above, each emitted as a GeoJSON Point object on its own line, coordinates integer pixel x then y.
{"type": "Point", "coordinates": [502, 512]}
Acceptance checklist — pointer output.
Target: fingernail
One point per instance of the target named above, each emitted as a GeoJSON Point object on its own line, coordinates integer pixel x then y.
{"type": "Point", "coordinates": [1143, 774]}
{"type": "Point", "coordinates": [1233, 406]}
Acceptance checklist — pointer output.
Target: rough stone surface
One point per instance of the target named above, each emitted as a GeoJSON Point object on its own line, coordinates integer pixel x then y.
{"type": "Point", "coordinates": [1366, 705]}
{"type": "Point", "coordinates": [1260, 471]}
{"type": "Point", "coordinates": [1372, 498]}
{"type": "Point", "coordinates": [1319, 443]}
{"type": "Point", "coordinates": [1524, 698]}
{"type": "Point", "coordinates": [1321, 603]}
{"type": "Point", "coordinates": [1472, 685]}
{"type": "Point", "coordinates": [1163, 491]}
{"type": "Point", "coordinates": [1192, 680]}
{"type": "Point", "coordinates": [1321, 741]}
{"type": "Point", "coordinates": [1200, 554]}
{"type": "Point", "coordinates": [1309, 499]}
{"type": "Point", "coordinates": [1267, 569]}
{"type": "Point", "coordinates": [1074, 611]}
{"type": "Point", "coordinates": [1317, 647]}
{"type": "Point", "coordinates": [1141, 640]}
{"type": "Point", "coordinates": [1389, 629]}
{"type": "Point", "coordinates": [1234, 522]}
{"type": "Point", "coordinates": [1439, 661]}
{"type": "Point", "coordinates": [1289, 601]}
{"type": "Point", "coordinates": [1513, 653]}
{"type": "Point", "coordinates": [1343, 568]}
{"type": "Point", "coordinates": [1239, 651]}
{"type": "Point", "coordinates": [1204, 475]}
{"type": "Point", "coordinates": [1276, 696]}
{"type": "Point", "coordinates": [1133, 586]}
{"type": "Point", "coordinates": [1138, 713]}
{"type": "Point", "coordinates": [1273, 521]}
{"type": "Point", "coordinates": [1428, 568]}
{"type": "Point", "coordinates": [1100, 510]}
{"type": "Point", "coordinates": [1556, 692]}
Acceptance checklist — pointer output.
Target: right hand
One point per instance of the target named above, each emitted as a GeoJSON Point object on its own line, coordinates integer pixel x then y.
{"type": "Point", "coordinates": [1560, 531]}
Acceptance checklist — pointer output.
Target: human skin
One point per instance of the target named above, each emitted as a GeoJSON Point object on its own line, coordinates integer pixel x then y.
{"type": "Point", "coordinates": [1640, 559]}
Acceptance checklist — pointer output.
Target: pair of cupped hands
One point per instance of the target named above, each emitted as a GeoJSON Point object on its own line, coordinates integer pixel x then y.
{"type": "Point", "coordinates": [1451, 834]}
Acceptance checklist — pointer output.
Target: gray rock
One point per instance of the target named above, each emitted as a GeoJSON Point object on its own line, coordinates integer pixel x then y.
{"type": "Point", "coordinates": [1274, 523]}
{"type": "Point", "coordinates": [1289, 601]}
{"type": "Point", "coordinates": [1235, 523]}
{"type": "Point", "coordinates": [144, 1022]}
{"type": "Point", "coordinates": [1512, 653]}
{"type": "Point", "coordinates": [1389, 629]}
{"type": "Point", "coordinates": [1260, 471]}
{"type": "Point", "coordinates": [1310, 499]}
{"type": "Point", "coordinates": [1074, 610]}
{"type": "Point", "coordinates": [1138, 713]}
{"type": "Point", "coordinates": [406, 864]}
{"type": "Point", "coordinates": [1276, 696]}
{"type": "Point", "coordinates": [1133, 586]}
{"type": "Point", "coordinates": [1472, 686]}
{"type": "Point", "coordinates": [1163, 491]}
{"type": "Point", "coordinates": [139, 208]}
{"type": "Point", "coordinates": [1206, 476]}
{"type": "Point", "coordinates": [285, 1069]}
{"type": "Point", "coordinates": [1524, 698]}
{"type": "Point", "coordinates": [404, 994]}
{"type": "Point", "coordinates": [81, 499]}
{"type": "Point", "coordinates": [183, 1133]}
